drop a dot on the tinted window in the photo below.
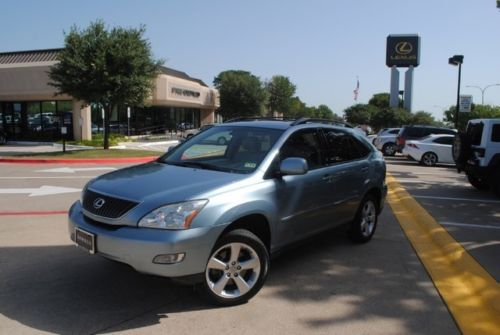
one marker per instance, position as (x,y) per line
(444,140)
(342,146)
(304,144)
(394,131)
(413,132)
(495,133)
(475,132)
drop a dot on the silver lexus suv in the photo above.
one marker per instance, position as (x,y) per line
(212,212)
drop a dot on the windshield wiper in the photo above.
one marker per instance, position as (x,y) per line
(201,165)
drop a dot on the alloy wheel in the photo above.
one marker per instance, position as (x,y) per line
(368,218)
(233,270)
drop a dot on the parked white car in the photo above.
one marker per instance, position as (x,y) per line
(430,150)
(386,141)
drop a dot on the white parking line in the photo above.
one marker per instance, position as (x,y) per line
(429,182)
(457,199)
(468,225)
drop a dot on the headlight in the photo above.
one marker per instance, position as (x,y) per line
(175,216)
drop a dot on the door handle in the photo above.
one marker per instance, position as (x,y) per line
(365,169)
(328,178)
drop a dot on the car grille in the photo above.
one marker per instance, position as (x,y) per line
(110,207)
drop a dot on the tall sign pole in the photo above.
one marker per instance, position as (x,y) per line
(402,51)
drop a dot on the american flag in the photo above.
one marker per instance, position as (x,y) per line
(356,90)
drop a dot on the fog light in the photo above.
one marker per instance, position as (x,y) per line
(169,258)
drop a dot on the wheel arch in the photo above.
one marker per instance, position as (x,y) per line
(377,193)
(256,223)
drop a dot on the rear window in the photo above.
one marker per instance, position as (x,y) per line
(475,132)
(495,133)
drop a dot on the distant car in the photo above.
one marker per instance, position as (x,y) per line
(3,137)
(431,150)
(386,141)
(191,132)
(416,132)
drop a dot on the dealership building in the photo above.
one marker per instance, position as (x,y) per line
(31,109)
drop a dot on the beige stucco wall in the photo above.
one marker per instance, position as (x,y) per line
(29,82)
(22,82)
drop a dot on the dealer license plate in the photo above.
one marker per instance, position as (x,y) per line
(85,240)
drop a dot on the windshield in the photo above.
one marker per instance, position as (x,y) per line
(224,148)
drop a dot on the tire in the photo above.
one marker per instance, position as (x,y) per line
(364,224)
(478,182)
(429,159)
(3,139)
(495,186)
(389,149)
(239,261)
(221,141)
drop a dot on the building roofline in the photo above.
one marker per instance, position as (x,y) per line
(30,51)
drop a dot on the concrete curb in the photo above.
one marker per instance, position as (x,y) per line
(470,292)
(119,160)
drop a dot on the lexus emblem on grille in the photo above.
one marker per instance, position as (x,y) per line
(98,203)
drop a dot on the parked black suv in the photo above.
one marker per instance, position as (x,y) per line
(416,132)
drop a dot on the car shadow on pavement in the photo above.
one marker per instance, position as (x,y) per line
(60,289)
(325,283)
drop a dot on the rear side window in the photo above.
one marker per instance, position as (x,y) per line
(342,147)
(444,140)
(495,133)
(475,132)
(394,131)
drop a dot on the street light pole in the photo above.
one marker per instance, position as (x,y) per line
(457,60)
(482,90)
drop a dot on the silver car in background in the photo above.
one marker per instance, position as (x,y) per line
(212,212)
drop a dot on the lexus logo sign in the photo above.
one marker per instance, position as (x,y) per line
(98,203)
(403,50)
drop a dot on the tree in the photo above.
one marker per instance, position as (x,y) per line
(477,112)
(241,94)
(280,91)
(359,113)
(390,117)
(423,118)
(380,100)
(298,108)
(107,67)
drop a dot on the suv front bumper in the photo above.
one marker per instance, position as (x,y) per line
(138,247)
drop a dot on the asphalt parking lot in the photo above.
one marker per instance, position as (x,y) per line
(326,286)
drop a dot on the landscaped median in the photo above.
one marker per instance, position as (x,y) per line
(84,157)
(470,292)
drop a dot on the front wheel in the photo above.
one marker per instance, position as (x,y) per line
(236,269)
(364,224)
(478,182)
(496,183)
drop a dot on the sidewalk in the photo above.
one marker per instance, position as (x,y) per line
(9,151)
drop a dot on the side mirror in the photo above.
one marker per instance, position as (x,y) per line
(293,166)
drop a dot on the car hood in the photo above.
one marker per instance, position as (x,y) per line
(161,181)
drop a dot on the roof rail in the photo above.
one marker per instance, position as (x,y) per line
(259,118)
(304,120)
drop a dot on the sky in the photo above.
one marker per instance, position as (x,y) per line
(321,45)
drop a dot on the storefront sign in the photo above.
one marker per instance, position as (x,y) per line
(185,92)
(403,50)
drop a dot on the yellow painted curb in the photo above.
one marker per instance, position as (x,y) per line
(471,294)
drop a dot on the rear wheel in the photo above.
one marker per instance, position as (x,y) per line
(364,224)
(478,182)
(236,269)
(389,149)
(429,159)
